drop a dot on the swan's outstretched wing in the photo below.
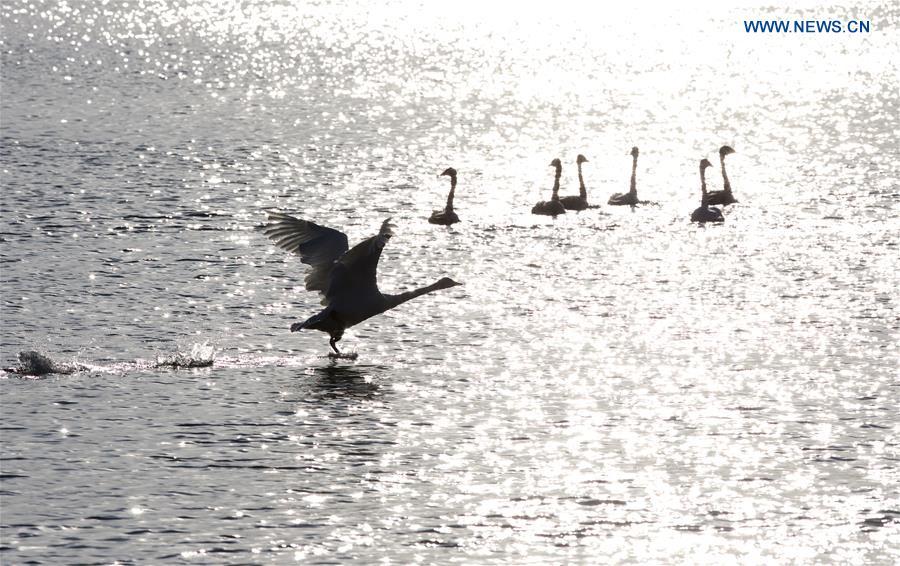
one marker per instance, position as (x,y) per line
(354,275)
(318,246)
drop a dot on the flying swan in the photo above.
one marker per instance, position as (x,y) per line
(346,278)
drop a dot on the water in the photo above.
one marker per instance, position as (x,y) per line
(612,386)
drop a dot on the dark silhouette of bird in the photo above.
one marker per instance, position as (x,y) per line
(579,202)
(551,207)
(705,213)
(723,197)
(629,198)
(346,278)
(447,216)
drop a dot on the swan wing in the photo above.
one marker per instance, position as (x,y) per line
(318,246)
(355,274)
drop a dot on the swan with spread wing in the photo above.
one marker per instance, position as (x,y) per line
(345,277)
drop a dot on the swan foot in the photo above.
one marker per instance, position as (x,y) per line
(296,326)
(337,354)
(343,356)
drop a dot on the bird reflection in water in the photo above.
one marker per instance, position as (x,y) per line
(341,380)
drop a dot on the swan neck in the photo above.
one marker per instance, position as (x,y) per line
(581,189)
(633,188)
(556,183)
(395,300)
(727,184)
(703,186)
(452,192)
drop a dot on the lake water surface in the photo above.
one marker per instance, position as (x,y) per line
(613,386)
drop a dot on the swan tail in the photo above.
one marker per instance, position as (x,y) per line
(310,322)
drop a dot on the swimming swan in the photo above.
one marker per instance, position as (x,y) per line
(446,217)
(629,198)
(579,202)
(551,207)
(704,213)
(723,197)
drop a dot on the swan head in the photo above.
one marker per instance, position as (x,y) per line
(449,171)
(634,151)
(704,163)
(556,163)
(446,283)
(726,150)
(581,159)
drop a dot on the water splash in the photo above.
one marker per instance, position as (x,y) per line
(200,356)
(34,363)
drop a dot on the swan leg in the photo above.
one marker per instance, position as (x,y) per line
(338,355)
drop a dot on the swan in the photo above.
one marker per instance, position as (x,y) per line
(446,217)
(723,197)
(579,202)
(346,278)
(704,213)
(629,198)
(551,207)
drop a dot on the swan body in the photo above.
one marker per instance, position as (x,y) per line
(725,196)
(629,198)
(345,277)
(553,206)
(443,217)
(447,216)
(705,213)
(579,201)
